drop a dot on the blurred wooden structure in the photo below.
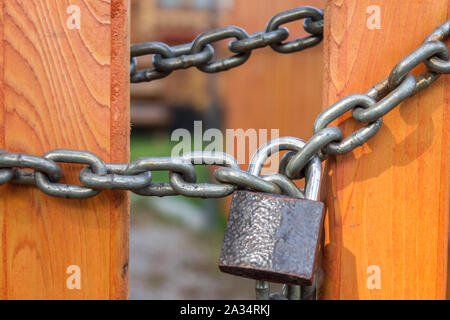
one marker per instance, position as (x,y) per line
(272,90)
(388,201)
(64,88)
(172,22)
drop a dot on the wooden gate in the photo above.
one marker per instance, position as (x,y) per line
(65,85)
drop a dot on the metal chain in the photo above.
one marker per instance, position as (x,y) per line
(136,176)
(368,108)
(200,52)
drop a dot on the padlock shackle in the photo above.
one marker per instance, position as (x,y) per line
(313,170)
(313,175)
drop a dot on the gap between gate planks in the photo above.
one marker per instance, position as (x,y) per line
(286,89)
(388,201)
(64,88)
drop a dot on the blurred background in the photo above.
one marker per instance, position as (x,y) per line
(175,242)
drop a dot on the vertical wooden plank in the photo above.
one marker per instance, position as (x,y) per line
(2,142)
(64,88)
(446,190)
(388,201)
(120,145)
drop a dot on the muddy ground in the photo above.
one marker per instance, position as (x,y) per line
(171,261)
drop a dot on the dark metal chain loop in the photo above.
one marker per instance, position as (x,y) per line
(171,164)
(436,64)
(367,108)
(25,161)
(393,99)
(358,137)
(145,49)
(200,53)
(313,27)
(137,176)
(66,190)
(183,58)
(217,35)
(116,178)
(258,40)
(294,15)
(421,54)
(205,190)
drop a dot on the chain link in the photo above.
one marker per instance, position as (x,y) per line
(205,190)
(137,176)
(309,13)
(66,190)
(367,108)
(200,52)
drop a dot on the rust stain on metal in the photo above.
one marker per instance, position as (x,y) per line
(272,237)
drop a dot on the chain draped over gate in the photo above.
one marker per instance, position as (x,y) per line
(200,52)
(367,108)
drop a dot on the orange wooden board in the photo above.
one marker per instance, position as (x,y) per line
(64,88)
(388,201)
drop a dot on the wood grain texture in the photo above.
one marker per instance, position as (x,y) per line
(63,88)
(388,201)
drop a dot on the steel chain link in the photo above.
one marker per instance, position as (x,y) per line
(367,108)
(200,52)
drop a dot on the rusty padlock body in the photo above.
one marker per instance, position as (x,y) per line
(272,237)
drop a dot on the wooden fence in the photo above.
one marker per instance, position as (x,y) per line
(386,228)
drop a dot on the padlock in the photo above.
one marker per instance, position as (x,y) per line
(273,237)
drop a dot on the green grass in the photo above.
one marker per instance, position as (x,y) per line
(160,145)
